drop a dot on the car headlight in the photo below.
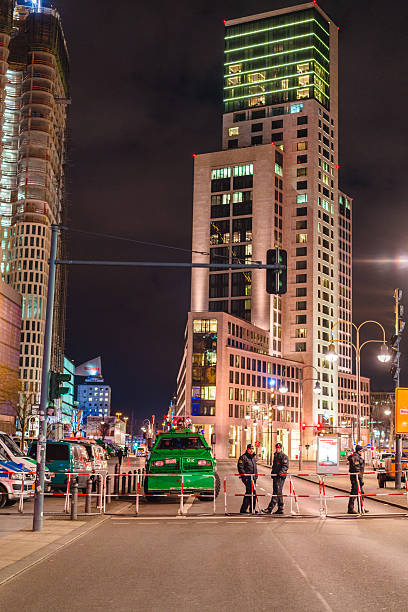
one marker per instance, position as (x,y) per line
(170,461)
(16,476)
(158,463)
(203,462)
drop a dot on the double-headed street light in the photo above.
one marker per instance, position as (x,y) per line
(383,356)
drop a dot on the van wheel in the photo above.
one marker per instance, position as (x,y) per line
(381,480)
(3,496)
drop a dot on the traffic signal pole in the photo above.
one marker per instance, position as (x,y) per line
(41,444)
(45,379)
(399,326)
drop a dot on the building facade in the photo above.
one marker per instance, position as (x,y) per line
(10,325)
(68,400)
(94,398)
(34,78)
(275,184)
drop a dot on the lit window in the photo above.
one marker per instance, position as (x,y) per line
(301,198)
(257,101)
(278,169)
(301,332)
(304,80)
(326,179)
(233,131)
(302,93)
(237,196)
(256,77)
(302,68)
(296,108)
(301,238)
(234,68)
(220,173)
(302,146)
(301,172)
(245,170)
(204,325)
(285,83)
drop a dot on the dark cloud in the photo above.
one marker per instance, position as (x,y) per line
(146,94)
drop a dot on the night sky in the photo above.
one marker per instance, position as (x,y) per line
(146,87)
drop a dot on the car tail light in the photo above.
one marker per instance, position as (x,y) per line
(203,462)
(158,463)
(170,461)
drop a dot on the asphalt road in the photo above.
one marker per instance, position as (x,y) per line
(163,561)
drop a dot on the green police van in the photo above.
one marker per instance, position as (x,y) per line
(187,455)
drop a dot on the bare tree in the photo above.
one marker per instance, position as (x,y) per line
(15,399)
(104,429)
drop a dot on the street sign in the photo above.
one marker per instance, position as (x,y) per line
(257,443)
(368,446)
(328,455)
(401,411)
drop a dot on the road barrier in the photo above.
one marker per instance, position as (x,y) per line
(19,487)
(322,496)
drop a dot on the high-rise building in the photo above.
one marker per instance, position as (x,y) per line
(275,184)
(33,100)
(10,325)
(94,398)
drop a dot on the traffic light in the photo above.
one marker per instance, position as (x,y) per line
(319,428)
(270,414)
(394,342)
(55,389)
(276,279)
(303,426)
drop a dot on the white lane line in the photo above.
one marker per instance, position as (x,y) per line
(325,604)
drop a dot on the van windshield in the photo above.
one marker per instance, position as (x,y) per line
(54,452)
(180,443)
(11,445)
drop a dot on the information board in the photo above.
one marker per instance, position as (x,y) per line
(401,411)
(328,455)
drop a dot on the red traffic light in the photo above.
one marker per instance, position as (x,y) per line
(303,426)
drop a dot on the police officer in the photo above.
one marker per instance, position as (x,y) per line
(280,468)
(356,467)
(247,465)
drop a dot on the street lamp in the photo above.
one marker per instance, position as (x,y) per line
(316,389)
(283,388)
(280,407)
(383,357)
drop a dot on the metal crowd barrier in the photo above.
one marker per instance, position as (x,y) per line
(322,495)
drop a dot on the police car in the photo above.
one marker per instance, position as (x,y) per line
(13,477)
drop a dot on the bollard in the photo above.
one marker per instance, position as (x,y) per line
(74,501)
(99,491)
(108,488)
(129,483)
(88,498)
(124,484)
(116,481)
(134,480)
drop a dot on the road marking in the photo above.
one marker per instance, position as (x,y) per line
(304,576)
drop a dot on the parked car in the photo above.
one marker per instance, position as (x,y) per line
(12,476)
(63,457)
(379,460)
(96,456)
(388,472)
(15,454)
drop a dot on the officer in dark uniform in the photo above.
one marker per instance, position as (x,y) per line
(247,465)
(280,468)
(356,467)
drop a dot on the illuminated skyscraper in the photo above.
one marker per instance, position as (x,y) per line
(275,183)
(34,74)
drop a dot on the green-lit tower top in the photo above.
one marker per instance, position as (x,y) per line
(277,57)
